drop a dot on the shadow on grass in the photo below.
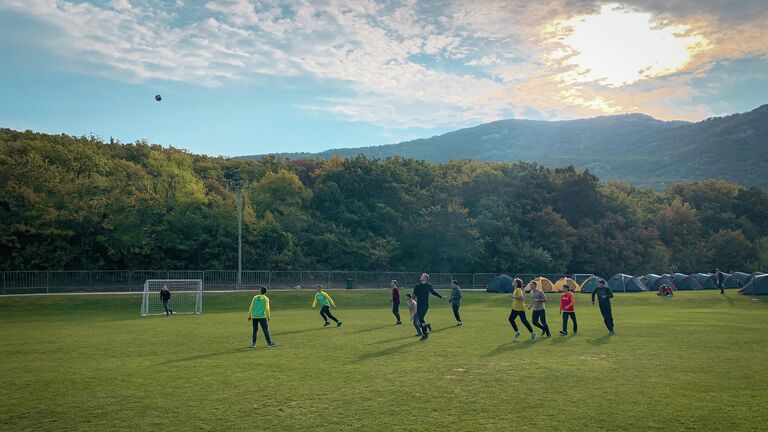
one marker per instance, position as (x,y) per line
(510,346)
(602,340)
(383,353)
(370,329)
(209,355)
(731,300)
(393,340)
(295,331)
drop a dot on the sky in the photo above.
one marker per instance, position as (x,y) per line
(241,77)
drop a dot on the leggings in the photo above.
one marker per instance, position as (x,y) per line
(540,321)
(325,312)
(264,328)
(565,321)
(456,312)
(396,311)
(514,314)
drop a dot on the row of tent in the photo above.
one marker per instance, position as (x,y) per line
(755,283)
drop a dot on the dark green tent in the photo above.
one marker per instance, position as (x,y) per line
(707,280)
(501,284)
(625,283)
(731,281)
(590,284)
(742,277)
(757,286)
(686,283)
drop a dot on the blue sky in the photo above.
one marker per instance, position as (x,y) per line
(249,77)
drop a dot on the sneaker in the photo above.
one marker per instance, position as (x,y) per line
(272,345)
(429,327)
(459,324)
(424,337)
(326,324)
(517,335)
(338,324)
(398,323)
(253,345)
(533,337)
(564,333)
(611,333)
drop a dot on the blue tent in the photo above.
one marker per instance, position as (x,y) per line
(501,284)
(757,286)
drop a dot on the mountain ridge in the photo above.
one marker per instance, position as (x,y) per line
(632,147)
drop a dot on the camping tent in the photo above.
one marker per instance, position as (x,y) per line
(658,282)
(543,283)
(590,284)
(707,280)
(625,283)
(742,277)
(650,279)
(686,283)
(563,282)
(501,284)
(731,281)
(757,286)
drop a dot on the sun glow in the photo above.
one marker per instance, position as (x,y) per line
(618,47)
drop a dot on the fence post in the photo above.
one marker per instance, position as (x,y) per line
(269,279)
(90,280)
(2,276)
(48,281)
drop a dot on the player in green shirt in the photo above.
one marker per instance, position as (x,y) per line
(326,302)
(258,314)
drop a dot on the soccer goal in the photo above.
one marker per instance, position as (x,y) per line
(186,296)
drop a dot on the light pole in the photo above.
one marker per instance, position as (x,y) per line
(238,186)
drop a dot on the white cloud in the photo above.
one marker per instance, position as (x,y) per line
(499,57)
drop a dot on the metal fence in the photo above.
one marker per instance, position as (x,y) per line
(42,282)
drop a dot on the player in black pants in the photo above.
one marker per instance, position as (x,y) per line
(422,292)
(604,296)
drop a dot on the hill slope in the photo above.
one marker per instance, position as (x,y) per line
(631,147)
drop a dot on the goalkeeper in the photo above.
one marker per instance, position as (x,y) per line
(258,314)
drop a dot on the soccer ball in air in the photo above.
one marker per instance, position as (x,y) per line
(158,98)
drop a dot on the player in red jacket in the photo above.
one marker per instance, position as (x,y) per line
(567,302)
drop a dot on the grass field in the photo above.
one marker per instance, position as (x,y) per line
(693,362)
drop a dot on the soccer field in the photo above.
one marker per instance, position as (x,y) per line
(692,362)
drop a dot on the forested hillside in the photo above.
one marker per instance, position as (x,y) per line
(632,147)
(80,203)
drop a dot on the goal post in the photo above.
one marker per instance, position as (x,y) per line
(186,296)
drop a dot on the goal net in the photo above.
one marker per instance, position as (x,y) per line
(186,297)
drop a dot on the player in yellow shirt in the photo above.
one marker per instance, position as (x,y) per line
(326,302)
(258,314)
(518,310)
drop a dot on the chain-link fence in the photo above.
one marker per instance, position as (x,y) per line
(43,282)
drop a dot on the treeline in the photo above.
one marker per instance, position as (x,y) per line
(80,203)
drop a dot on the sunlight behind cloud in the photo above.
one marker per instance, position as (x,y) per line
(618,47)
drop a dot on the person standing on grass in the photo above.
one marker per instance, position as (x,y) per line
(422,291)
(412,308)
(326,302)
(395,300)
(719,279)
(538,299)
(165,296)
(455,301)
(258,314)
(518,310)
(567,303)
(604,296)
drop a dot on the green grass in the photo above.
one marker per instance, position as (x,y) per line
(693,362)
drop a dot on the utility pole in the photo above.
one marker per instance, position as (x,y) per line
(238,186)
